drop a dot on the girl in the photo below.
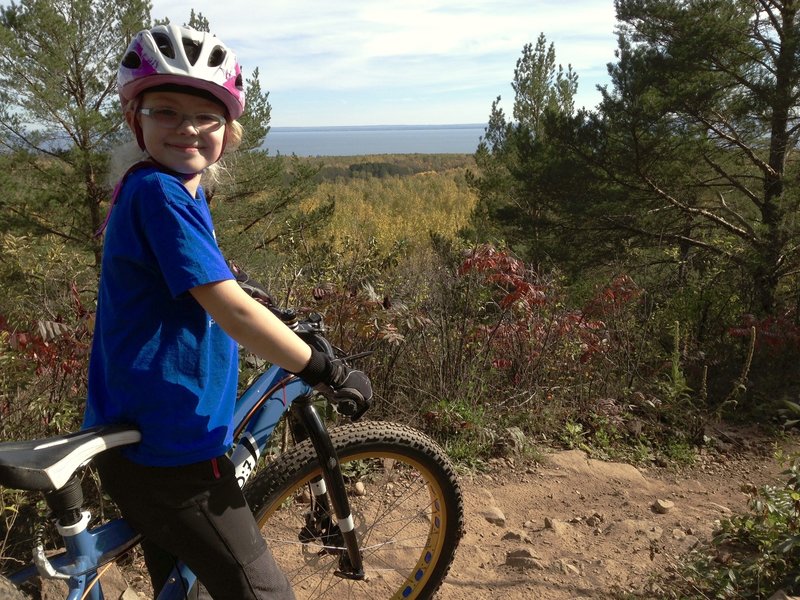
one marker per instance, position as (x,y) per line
(169,316)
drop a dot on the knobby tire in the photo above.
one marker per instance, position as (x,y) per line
(408,512)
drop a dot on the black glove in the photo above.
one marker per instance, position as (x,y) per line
(352,390)
(251,286)
(348,389)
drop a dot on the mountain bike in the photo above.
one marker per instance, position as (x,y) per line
(366,510)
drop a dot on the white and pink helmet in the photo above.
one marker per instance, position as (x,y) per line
(168,54)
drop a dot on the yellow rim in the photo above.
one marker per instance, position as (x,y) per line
(426,563)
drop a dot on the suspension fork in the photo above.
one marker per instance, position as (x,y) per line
(312,427)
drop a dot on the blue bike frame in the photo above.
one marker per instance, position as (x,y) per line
(258,411)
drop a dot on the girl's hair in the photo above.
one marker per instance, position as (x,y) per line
(127,155)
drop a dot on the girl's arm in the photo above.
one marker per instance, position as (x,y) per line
(261,332)
(252,325)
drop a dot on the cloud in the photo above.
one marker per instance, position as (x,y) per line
(377,59)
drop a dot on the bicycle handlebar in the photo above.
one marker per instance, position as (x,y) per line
(311,330)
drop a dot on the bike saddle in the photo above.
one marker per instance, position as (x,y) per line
(46,465)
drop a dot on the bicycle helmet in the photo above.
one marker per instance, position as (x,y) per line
(172,55)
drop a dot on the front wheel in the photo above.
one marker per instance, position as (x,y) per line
(405,500)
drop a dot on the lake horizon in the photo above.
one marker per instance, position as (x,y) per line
(359,140)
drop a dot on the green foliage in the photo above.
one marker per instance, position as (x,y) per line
(573,436)
(529,185)
(257,114)
(791,412)
(335,168)
(684,179)
(391,209)
(697,128)
(58,64)
(198,21)
(45,331)
(258,208)
(752,555)
(540,88)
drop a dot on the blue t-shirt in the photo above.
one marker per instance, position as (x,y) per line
(159,362)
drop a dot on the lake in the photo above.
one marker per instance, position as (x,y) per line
(374,139)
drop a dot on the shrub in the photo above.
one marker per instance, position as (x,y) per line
(752,555)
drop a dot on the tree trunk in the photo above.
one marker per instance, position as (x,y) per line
(94,195)
(767,273)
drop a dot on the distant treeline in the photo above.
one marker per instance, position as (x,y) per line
(332,168)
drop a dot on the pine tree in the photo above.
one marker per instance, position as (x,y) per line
(699,127)
(522,173)
(58,107)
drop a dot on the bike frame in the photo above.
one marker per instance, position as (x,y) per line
(258,411)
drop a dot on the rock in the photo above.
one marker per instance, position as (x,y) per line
(53,589)
(359,489)
(575,520)
(570,569)
(523,559)
(494,515)
(690,543)
(719,507)
(512,440)
(595,520)
(781,595)
(663,506)
(555,525)
(749,489)
(114,586)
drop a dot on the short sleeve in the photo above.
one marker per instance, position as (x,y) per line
(180,233)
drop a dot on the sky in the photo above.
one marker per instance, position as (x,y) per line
(401,62)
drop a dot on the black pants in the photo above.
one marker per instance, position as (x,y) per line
(198,514)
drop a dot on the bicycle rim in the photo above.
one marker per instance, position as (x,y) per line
(408,517)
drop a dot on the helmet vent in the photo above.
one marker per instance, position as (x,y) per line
(239,84)
(216,57)
(192,49)
(164,45)
(132,61)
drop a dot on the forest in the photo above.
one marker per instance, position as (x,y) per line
(616,279)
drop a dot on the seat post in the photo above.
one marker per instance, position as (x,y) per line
(66,502)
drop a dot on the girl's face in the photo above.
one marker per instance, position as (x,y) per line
(187,147)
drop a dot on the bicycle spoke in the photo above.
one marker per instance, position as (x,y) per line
(408,519)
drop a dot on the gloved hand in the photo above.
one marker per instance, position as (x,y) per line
(251,286)
(352,390)
(348,389)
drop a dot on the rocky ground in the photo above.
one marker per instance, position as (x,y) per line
(573,527)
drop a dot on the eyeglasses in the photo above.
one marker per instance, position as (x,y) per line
(172,119)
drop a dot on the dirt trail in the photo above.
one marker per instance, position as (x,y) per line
(580,528)
(572,527)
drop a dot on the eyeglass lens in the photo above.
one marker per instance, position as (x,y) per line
(167,117)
